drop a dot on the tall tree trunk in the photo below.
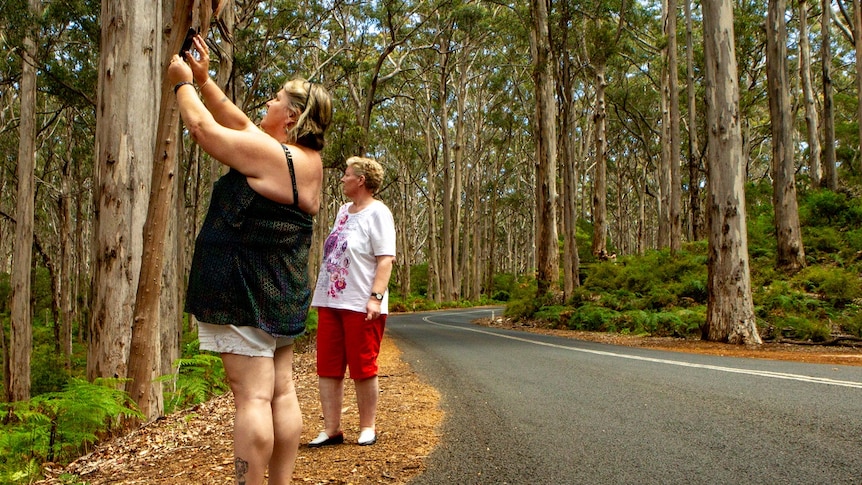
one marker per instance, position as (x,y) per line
(21,334)
(566,152)
(173,287)
(791,255)
(663,167)
(675,196)
(126,127)
(730,310)
(67,277)
(546,152)
(447,250)
(435,284)
(830,173)
(407,210)
(477,216)
(812,120)
(600,183)
(640,190)
(81,287)
(696,225)
(459,239)
(857,23)
(146,350)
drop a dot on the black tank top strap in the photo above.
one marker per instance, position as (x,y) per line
(289,158)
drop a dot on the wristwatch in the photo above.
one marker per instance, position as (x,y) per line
(379,296)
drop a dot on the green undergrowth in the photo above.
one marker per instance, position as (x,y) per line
(664,294)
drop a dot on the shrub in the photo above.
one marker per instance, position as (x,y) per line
(852,322)
(804,329)
(520,309)
(619,300)
(836,285)
(695,289)
(822,239)
(197,379)
(555,315)
(591,317)
(780,298)
(57,426)
(661,297)
(822,207)
(629,321)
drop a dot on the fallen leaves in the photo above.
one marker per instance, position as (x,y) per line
(195,446)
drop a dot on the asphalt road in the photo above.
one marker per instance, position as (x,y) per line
(523,408)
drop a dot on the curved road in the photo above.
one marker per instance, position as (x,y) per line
(523,408)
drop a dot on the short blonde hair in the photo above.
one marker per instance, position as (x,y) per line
(314,105)
(370,168)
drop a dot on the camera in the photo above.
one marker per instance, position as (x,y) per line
(187,44)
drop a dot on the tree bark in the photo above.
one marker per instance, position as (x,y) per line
(21,330)
(730,310)
(830,173)
(126,127)
(675,196)
(696,224)
(546,153)
(812,119)
(447,249)
(144,358)
(791,255)
(566,153)
(435,283)
(67,277)
(600,184)
(857,23)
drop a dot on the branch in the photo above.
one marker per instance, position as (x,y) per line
(834,341)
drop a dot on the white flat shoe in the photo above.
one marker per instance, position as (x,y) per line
(324,439)
(367,437)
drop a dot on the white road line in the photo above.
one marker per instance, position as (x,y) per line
(761,373)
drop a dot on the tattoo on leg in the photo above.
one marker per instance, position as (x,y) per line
(241,467)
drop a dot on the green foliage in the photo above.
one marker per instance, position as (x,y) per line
(591,317)
(851,321)
(5,293)
(837,286)
(655,280)
(804,328)
(57,426)
(779,298)
(660,293)
(197,379)
(555,315)
(419,279)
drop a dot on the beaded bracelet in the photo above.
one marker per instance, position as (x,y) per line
(180,84)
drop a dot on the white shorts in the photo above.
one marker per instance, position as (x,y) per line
(231,339)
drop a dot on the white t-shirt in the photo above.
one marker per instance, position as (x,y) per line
(350,258)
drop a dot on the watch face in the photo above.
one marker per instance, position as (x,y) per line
(379,296)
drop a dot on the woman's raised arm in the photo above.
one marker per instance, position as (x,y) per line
(225,112)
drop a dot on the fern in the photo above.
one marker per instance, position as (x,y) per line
(198,378)
(56,426)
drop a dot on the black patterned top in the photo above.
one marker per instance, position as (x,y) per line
(250,264)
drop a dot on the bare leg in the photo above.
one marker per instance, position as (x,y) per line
(251,380)
(286,419)
(367,391)
(331,400)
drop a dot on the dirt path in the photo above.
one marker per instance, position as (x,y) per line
(195,446)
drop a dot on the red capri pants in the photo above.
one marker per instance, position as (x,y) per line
(345,339)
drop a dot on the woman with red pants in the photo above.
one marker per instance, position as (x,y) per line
(351,298)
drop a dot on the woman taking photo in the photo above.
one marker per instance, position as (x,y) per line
(248,284)
(352,300)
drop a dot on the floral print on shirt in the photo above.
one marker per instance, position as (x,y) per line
(335,260)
